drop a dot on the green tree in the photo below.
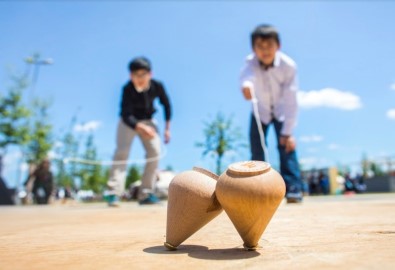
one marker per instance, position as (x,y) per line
(376,169)
(365,165)
(220,137)
(134,174)
(14,114)
(40,130)
(68,148)
(91,173)
(22,125)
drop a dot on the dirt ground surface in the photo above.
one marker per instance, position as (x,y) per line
(333,232)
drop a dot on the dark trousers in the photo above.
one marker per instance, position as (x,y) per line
(289,165)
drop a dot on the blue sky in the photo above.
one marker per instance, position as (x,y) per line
(344,51)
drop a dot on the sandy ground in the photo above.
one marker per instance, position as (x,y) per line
(342,232)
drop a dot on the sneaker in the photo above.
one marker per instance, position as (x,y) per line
(294,200)
(294,197)
(113,200)
(150,199)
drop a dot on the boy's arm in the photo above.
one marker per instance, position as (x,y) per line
(28,179)
(164,100)
(247,81)
(290,111)
(167,132)
(127,111)
(289,97)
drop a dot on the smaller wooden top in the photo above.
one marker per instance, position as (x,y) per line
(248,168)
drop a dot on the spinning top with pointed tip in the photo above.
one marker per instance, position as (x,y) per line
(250,193)
(191,205)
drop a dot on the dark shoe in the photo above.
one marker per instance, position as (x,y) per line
(294,200)
(294,197)
(151,199)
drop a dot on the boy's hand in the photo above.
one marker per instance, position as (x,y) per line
(247,93)
(289,143)
(146,131)
(167,136)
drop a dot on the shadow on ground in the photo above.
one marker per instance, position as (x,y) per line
(204,253)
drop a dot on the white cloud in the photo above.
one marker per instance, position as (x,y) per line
(52,155)
(310,162)
(24,167)
(12,158)
(391,114)
(329,97)
(14,169)
(88,126)
(392,86)
(58,144)
(311,150)
(311,138)
(333,146)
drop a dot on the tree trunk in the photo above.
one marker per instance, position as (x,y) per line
(219,165)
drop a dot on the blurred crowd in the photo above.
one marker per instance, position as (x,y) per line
(317,182)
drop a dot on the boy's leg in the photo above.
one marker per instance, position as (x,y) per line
(152,149)
(257,152)
(117,178)
(289,168)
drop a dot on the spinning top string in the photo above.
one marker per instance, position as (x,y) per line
(254,102)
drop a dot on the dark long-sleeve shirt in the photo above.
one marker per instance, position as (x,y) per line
(136,106)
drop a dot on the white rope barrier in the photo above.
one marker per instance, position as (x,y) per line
(114,162)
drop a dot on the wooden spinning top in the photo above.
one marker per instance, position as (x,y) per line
(192,203)
(250,193)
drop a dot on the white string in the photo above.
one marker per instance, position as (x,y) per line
(254,102)
(115,162)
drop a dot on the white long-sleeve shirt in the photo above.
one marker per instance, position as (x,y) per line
(275,89)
